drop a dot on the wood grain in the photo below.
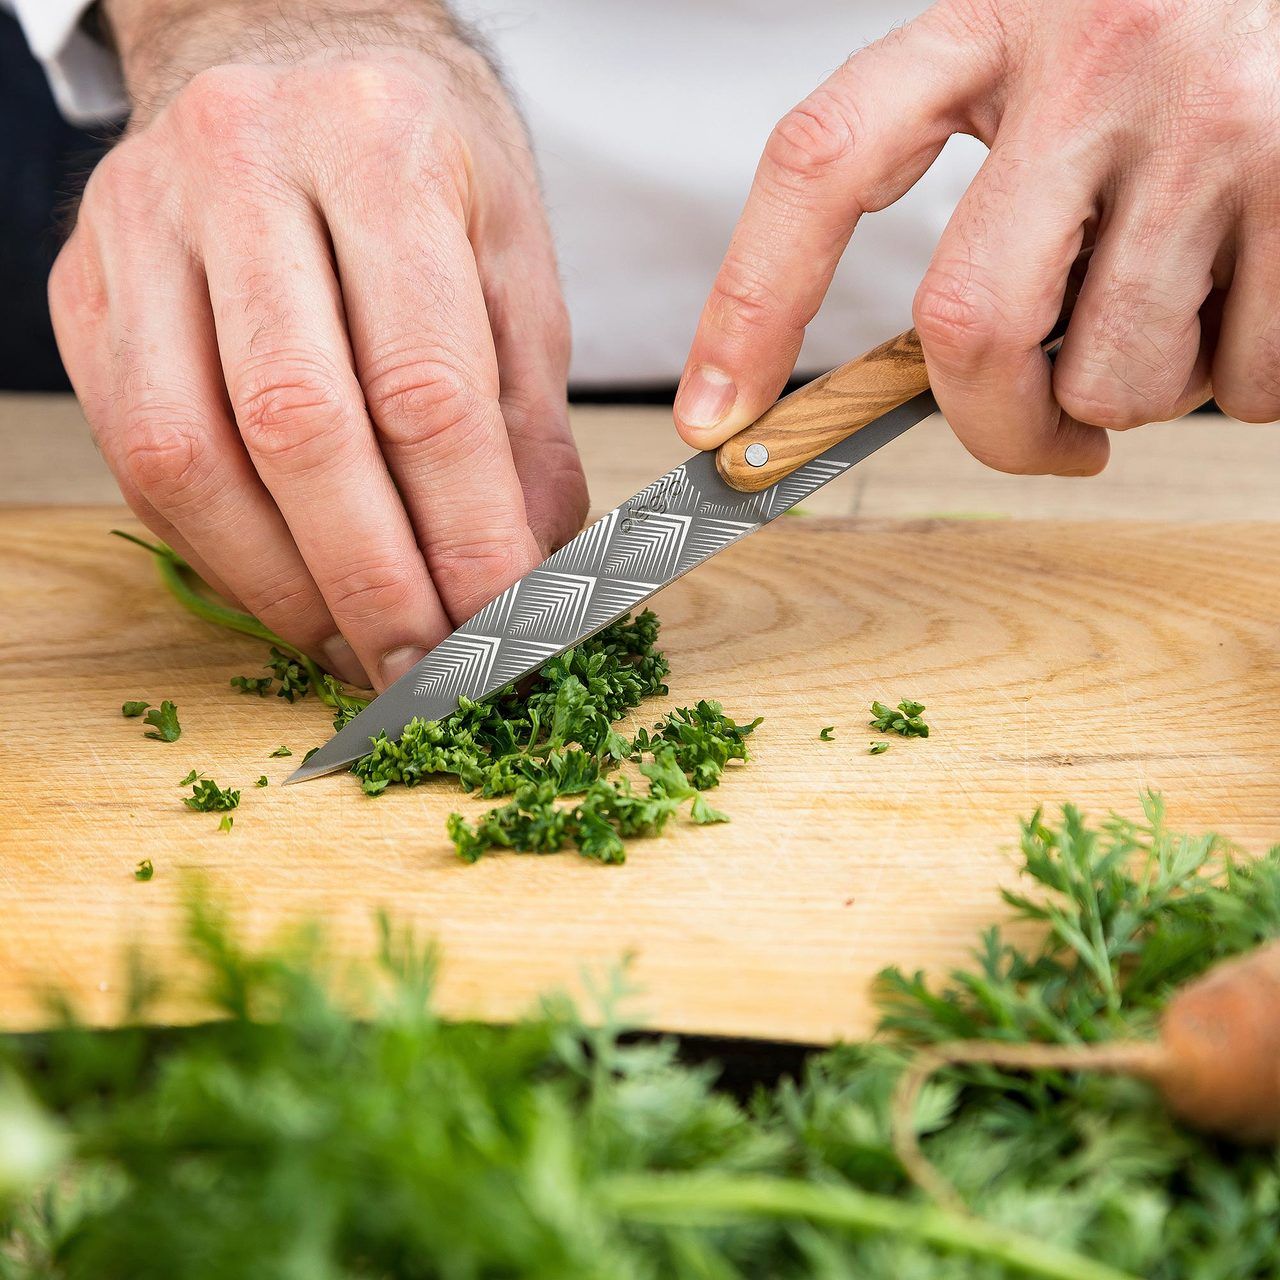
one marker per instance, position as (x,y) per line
(1059,661)
(825,411)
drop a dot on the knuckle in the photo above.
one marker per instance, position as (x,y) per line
(417,402)
(120,183)
(290,605)
(1247,404)
(369,592)
(743,303)
(390,130)
(291,418)
(1126,27)
(472,569)
(1219,110)
(76,284)
(165,454)
(1133,363)
(375,93)
(960,321)
(812,138)
(220,101)
(132,192)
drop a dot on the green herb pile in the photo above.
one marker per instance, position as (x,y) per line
(290,1139)
(557,738)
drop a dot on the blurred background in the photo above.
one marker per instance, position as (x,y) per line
(43,162)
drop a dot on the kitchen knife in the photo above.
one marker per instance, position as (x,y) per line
(671,526)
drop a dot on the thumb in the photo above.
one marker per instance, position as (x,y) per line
(859,142)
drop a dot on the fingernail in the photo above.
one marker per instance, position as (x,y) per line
(398,661)
(341,659)
(705,398)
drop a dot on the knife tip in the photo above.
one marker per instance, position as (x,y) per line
(314,769)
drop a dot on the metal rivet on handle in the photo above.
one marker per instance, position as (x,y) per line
(756,455)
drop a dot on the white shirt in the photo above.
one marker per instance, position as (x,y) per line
(648,120)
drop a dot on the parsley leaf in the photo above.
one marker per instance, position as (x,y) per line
(906,719)
(828,734)
(878,748)
(227,822)
(261,685)
(262,781)
(293,677)
(132,709)
(190,778)
(207,797)
(164,723)
(282,750)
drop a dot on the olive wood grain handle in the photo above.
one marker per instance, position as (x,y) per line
(822,413)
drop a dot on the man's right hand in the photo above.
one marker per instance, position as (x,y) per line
(311,310)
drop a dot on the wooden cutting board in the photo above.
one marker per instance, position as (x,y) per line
(1059,661)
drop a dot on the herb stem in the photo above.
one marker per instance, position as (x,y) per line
(693,1200)
(180,578)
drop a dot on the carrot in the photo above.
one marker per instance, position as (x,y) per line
(1216,1062)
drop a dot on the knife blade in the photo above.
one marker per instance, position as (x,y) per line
(670,527)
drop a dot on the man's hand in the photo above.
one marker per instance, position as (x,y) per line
(310,307)
(1147,128)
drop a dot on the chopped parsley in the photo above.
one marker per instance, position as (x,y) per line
(878,748)
(905,719)
(262,781)
(828,734)
(207,797)
(227,822)
(190,778)
(261,685)
(291,675)
(282,750)
(132,709)
(561,740)
(144,870)
(164,723)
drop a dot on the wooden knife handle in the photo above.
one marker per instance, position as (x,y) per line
(822,413)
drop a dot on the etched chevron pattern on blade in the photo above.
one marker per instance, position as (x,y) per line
(456,666)
(648,549)
(611,599)
(614,565)
(585,553)
(549,604)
